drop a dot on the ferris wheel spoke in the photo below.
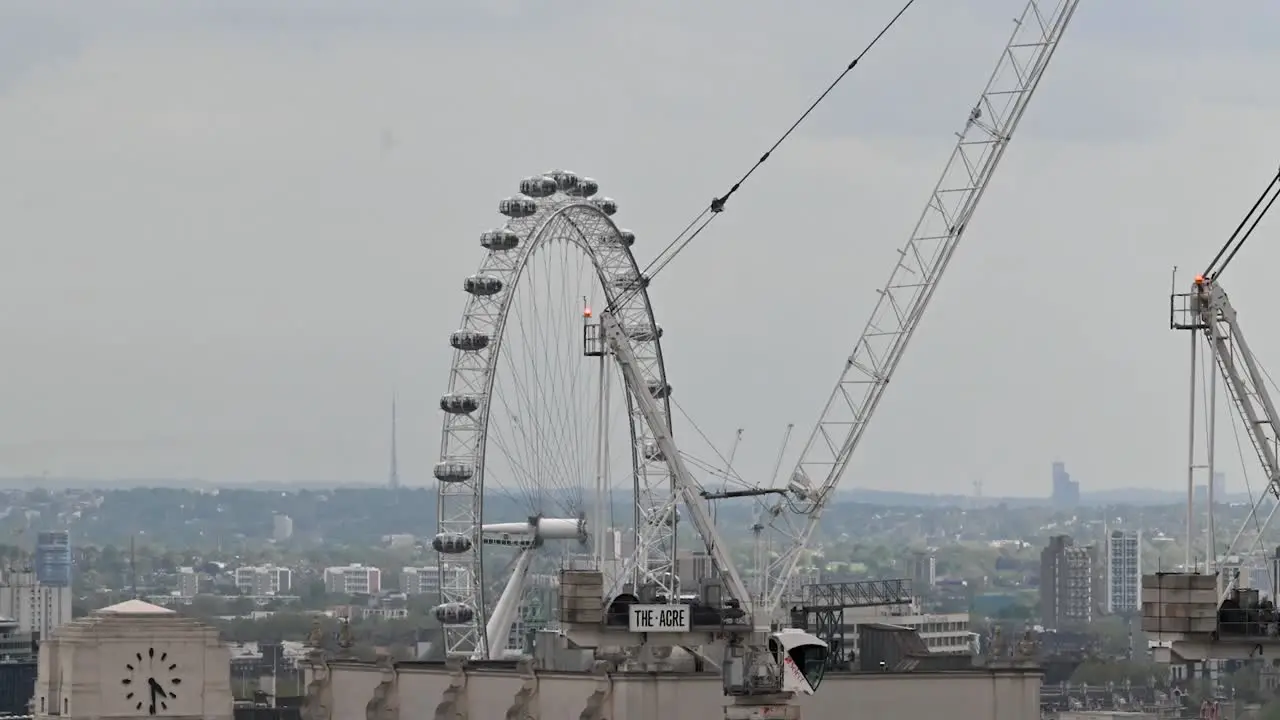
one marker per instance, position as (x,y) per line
(547,405)
(516,467)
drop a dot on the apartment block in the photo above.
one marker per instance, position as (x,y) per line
(420,580)
(264,580)
(1124,571)
(354,579)
(1066,583)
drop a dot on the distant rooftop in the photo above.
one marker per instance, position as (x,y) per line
(134,607)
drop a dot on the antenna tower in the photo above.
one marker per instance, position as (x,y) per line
(133,568)
(393,479)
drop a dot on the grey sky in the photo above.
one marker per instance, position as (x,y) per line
(212,269)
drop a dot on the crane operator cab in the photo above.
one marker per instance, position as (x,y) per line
(801,659)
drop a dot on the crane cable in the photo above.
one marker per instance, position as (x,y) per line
(1242,233)
(717,205)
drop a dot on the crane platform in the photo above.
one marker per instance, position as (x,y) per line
(1189,621)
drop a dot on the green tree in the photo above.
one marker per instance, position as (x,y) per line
(207,606)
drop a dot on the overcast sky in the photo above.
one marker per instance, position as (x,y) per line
(229,229)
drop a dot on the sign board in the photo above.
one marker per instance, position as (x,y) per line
(660,618)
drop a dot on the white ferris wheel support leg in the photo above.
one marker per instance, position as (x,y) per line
(498,629)
(686,486)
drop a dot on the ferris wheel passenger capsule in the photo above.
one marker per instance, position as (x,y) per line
(451,543)
(468,340)
(659,390)
(499,240)
(585,188)
(517,207)
(608,206)
(626,238)
(452,471)
(459,403)
(482,285)
(538,186)
(454,614)
(566,180)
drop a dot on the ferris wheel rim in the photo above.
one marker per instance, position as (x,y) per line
(591,229)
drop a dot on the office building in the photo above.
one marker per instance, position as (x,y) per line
(188,582)
(924,571)
(1065,492)
(354,579)
(35,607)
(693,568)
(1124,571)
(53,558)
(264,580)
(1066,584)
(943,633)
(420,580)
(1220,487)
(17,669)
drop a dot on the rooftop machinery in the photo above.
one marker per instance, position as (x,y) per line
(763,668)
(1210,615)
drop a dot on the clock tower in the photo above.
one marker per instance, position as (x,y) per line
(134,660)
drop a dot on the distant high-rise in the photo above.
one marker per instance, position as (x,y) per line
(1066,492)
(393,479)
(1219,487)
(36,607)
(1066,583)
(1124,571)
(53,558)
(188,582)
(281,527)
(924,571)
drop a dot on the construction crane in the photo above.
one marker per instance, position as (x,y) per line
(1207,312)
(764,669)
(1200,616)
(914,279)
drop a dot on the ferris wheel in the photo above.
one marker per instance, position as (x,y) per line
(536,450)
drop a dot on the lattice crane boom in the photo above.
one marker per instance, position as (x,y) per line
(920,266)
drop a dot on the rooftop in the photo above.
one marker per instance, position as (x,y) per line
(134,607)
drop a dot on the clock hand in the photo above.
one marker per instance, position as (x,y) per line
(154,687)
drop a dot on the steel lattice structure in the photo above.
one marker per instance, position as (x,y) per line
(555,207)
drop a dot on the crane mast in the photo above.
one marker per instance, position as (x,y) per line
(1211,312)
(1207,312)
(921,263)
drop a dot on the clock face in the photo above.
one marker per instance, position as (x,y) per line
(151,681)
